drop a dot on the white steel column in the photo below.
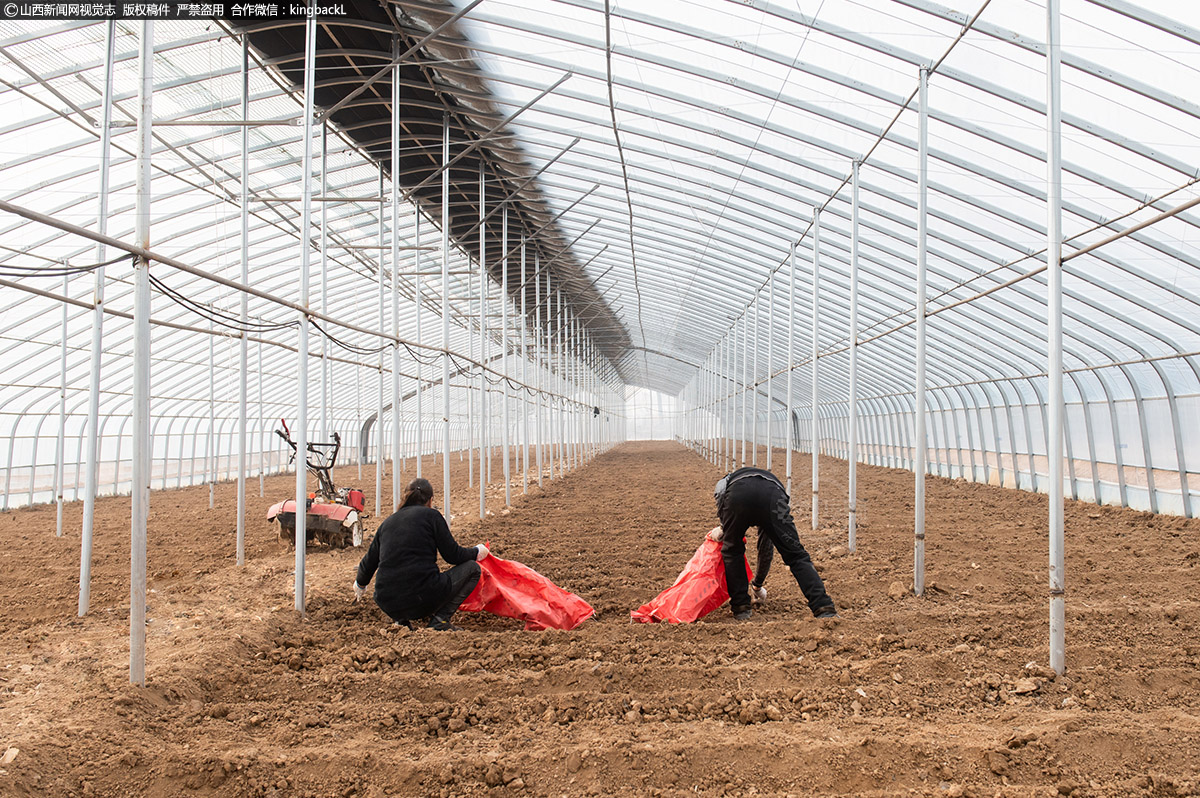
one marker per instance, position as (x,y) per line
(562,386)
(504,353)
(770,361)
(1054,345)
(730,406)
(472,338)
(262,431)
(922,451)
(446,316)
(537,352)
(140,486)
(852,458)
(91,464)
(210,449)
(816,397)
(62,418)
(379,446)
(754,384)
(525,381)
(483,414)
(243,343)
(550,401)
(419,437)
(744,397)
(397,428)
(310,57)
(324,279)
(791,436)
(574,341)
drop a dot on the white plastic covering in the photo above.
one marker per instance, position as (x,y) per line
(713,130)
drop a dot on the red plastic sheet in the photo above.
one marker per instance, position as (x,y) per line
(513,590)
(699,590)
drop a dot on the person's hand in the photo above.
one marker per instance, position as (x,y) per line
(716,534)
(482,552)
(359,590)
(758,596)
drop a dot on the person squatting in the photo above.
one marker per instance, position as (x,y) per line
(403,559)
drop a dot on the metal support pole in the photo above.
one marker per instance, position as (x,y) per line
(744,397)
(262,432)
(210,450)
(59,444)
(580,391)
(1054,309)
(446,317)
(730,387)
(504,437)
(572,341)
(550,401)
(562,388)
(524,380)
(922,451)
(324,281)
(537,351)
(140,486)
(770,362)
(482,344)
(852,459)
(397,428)
(791,347)
(310,57)
(91,466)
(379,448)
(753,384)
(816,397)
(243,343)
(417,361)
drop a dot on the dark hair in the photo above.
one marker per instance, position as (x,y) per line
(419,491)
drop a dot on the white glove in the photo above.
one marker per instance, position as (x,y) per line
(482,552)
(716,534)
(359,590)
(758,595)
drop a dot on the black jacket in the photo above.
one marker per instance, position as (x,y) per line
(742,473)
(403,558)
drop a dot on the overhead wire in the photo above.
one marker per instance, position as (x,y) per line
(10,270)
(612,109)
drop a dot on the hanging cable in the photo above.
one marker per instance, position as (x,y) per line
(9,270)
(214,315)
(612,109)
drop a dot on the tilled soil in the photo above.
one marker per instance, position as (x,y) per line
(948,694)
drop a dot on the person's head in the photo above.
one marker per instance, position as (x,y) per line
(419,491)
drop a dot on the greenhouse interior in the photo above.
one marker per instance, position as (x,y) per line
(500,244)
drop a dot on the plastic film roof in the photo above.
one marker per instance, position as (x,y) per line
(712,130)
(727,123)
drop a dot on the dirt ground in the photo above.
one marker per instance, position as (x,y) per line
(943,695)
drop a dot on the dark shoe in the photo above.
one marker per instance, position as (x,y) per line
(744,614)
(828,611)
(439,625)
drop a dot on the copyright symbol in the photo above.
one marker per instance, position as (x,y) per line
(10,9)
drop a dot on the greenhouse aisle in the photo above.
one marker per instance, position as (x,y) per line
(945,694)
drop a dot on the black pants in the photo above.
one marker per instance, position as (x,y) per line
(463,579)
(754,501)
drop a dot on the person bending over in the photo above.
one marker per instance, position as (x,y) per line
(403,558)
(754,497)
